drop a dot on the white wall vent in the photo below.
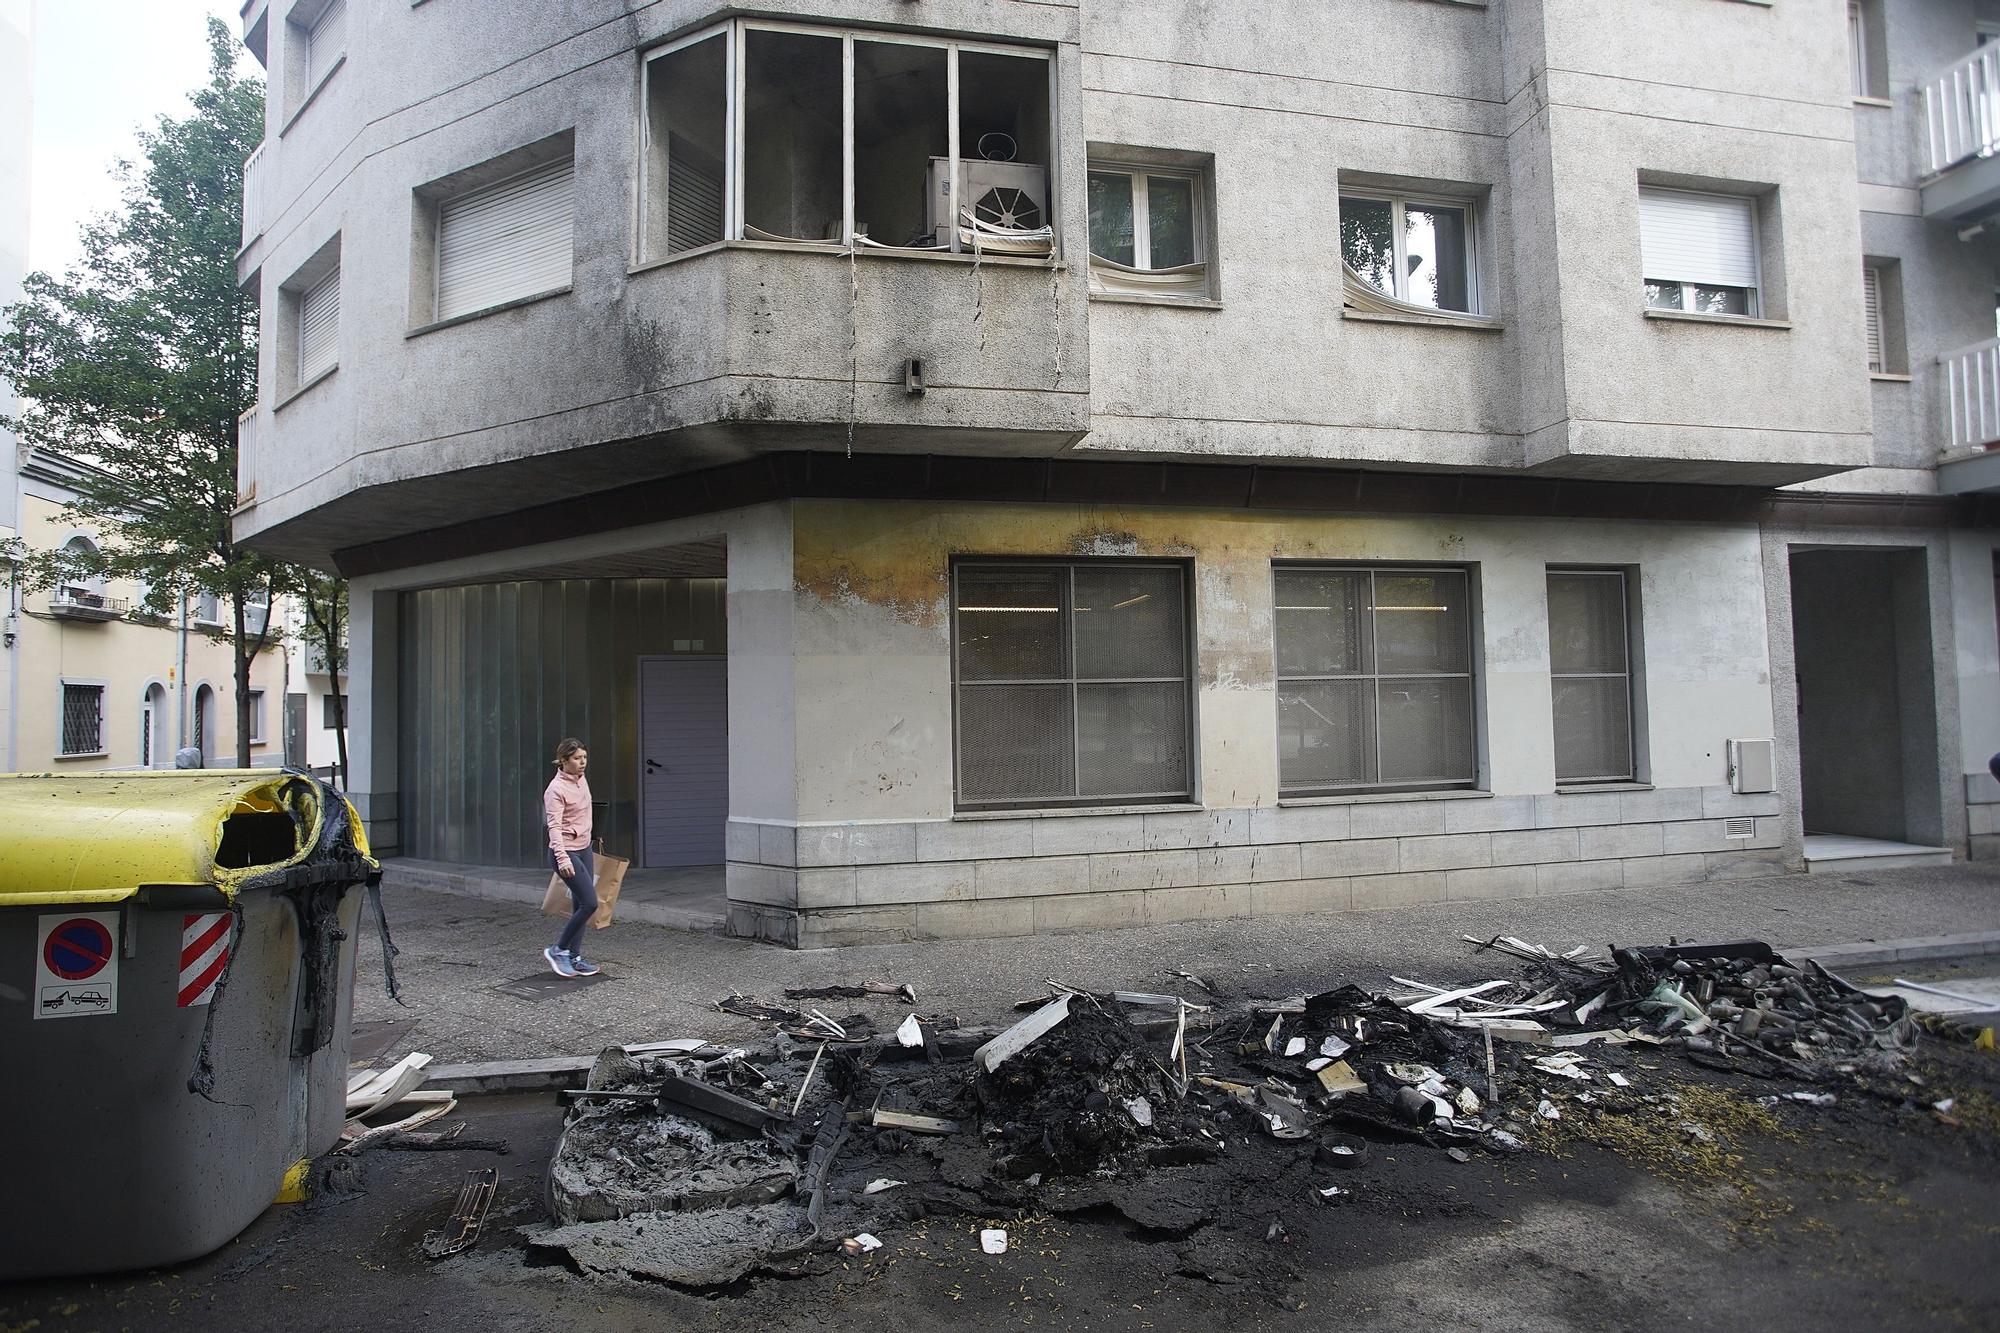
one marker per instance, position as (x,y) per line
(1741,826)
(1752,767)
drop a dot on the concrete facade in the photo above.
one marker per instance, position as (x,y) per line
(752,401)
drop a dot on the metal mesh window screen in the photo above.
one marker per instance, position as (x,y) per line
(1590,675)
(82,719)
(1072,682)
(1374,678)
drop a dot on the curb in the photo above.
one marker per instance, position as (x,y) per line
(1870,952)
(475,886)
(488,1076)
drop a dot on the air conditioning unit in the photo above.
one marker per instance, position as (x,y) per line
(1001,194)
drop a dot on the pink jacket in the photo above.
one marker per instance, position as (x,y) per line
(566,813)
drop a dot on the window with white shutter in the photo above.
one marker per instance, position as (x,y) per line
(1698,252)
(326,42)
(507,240)
(319,328)
(1871,300)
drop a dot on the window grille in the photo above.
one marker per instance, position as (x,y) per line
(82,719)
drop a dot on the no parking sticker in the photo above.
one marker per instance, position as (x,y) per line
(76,965)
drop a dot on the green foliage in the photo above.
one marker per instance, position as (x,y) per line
(141,358)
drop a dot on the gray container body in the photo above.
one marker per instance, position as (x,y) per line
(112,1162)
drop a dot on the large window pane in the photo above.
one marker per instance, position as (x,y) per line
(1010,623)
(1593,735)
(791,135)
(1003,116)
(1368,241)
(1420,622)
(1128,622)
(901,122)
(1426,728)
(1326,733)
(1434,240)
(1073,682)
(1131,740)
(1591,678)
(1374,678)
(1323,623)
(1111,217)
(1016,743)
(1586,622)
(1170,220)
(685,109)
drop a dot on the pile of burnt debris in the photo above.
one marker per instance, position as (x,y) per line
(696,1163)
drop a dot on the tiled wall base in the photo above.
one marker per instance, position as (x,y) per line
(812,886)
(1982,817)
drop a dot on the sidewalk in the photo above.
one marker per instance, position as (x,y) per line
(663,983)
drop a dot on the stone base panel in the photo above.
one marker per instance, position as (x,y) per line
(815,885)
(1982,817)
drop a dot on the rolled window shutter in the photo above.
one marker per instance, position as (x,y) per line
(1871,297)
(326,42)
(319,327)
(511,239)
(1702,238)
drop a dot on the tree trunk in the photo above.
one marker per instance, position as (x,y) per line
(241,656)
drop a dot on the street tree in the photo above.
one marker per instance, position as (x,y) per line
(323,599)
(141,358)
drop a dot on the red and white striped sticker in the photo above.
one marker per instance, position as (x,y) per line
(204,952)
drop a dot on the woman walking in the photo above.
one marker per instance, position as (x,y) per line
(566,816)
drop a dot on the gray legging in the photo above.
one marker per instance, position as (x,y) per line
(582,881)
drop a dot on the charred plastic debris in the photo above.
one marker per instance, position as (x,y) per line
(1209,1122)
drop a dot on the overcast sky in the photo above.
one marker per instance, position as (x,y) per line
(103,69)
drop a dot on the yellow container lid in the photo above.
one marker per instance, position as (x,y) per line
(73,838)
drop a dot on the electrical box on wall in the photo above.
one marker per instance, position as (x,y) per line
(1752,767)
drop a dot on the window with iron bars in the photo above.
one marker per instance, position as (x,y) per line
(82,719)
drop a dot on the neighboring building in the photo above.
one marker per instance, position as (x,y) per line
(17,100)
(1004,467)
(103,683)
(312,709)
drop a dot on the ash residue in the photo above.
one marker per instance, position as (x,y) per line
(616,1161)
(1065,1104)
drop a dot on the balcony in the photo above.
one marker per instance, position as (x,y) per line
(254,171)
(1972,412)
(72,603)
(1961,108)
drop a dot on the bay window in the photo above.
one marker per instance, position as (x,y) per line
(777,132)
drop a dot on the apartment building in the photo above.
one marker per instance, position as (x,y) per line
(990,468)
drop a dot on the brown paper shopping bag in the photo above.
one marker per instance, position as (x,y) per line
(556,901)
(610,878)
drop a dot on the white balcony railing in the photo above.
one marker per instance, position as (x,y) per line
(246,456)
(253,192)
(1972,394)
(1962,109)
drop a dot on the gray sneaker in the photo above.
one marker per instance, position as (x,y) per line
(582,966)
(560,961)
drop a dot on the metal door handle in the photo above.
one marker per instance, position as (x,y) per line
(653,767)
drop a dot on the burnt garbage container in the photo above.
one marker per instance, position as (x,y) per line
(176,990)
